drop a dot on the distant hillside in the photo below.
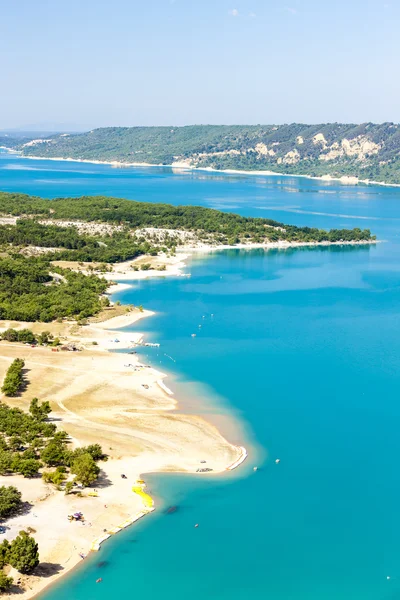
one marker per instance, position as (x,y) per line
(366,151)
(8,141)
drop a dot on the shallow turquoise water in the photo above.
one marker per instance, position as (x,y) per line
(304,346)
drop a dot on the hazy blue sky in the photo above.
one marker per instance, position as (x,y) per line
(152,62)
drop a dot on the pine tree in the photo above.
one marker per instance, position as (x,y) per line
(23,554)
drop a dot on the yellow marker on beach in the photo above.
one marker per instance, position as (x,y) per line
(147,500)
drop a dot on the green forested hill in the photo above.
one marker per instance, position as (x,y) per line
(367,151)
(224,227)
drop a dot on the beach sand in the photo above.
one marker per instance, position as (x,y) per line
(118,402)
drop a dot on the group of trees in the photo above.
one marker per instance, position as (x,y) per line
(66,243)
(28,441)
(14,378)
(22,553)
(28,291)
(82,462)
(22,437)
(27,336)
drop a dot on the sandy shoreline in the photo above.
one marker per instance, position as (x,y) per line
(140,430)
(345,179)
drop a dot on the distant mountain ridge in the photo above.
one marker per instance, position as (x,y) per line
(367,151)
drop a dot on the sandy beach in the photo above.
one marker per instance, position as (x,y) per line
(119,402)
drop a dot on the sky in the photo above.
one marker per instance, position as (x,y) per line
(81,64)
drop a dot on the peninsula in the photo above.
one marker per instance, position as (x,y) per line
(78,425)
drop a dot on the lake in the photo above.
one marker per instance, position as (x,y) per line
(303,350)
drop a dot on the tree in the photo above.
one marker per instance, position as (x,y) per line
(24,553)
(54,453)
(5,582)
(45,337)
(11,335)
(10,500)
(85,469)
(96,451)
(29,467)
(39,411)
(5,462)
(4,550)
(68,487)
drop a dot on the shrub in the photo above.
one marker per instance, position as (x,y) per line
(28,467)
(10,500)
(4,550)
(23,554)
(5,582)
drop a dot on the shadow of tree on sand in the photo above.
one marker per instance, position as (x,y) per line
(47,569)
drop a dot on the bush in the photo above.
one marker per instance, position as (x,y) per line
(68,487)
(5,462)
(28,467)
(5,582)
(56,477)
(23,554)
(10,500)
(96,452)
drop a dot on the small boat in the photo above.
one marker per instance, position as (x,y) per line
(255,468)
(278,460)
(99,580)
(196,525)
(193,335)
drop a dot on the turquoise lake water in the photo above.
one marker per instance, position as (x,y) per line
(304,349)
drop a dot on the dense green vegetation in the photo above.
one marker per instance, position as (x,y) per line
(237,147)
(14,378)
(66,243)
(28,291)
(134,215)
(23,553)
(29,441)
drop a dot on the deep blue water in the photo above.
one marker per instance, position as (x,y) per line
(303,347)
